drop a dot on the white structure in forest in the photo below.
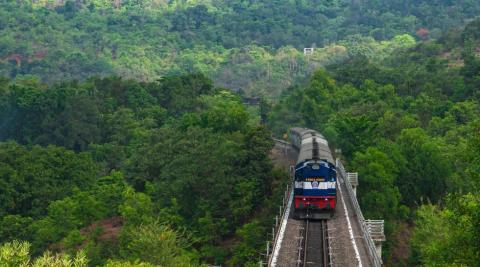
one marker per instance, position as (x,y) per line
(308,51)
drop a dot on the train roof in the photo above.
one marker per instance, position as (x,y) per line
(305,131)
(313,145)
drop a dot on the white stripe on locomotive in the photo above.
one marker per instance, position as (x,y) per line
(321,185)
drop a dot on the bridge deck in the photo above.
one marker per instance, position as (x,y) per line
(345,252)
(342,231)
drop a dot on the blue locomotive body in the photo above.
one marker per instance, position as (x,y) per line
(315,175)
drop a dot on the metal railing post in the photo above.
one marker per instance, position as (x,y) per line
(377,260)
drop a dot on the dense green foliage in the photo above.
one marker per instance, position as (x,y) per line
(163,168)
(126,167)
(409,125)
(33,178)
(448,237)
(14,254)
(254,46)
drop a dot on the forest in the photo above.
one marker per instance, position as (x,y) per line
(125,140)
(163,172)
(410,126)
(250,46)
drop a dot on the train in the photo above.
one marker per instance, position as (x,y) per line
(315,178)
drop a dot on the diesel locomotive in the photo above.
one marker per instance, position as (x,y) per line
(315,190)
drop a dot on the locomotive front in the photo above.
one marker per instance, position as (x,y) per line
(315,175)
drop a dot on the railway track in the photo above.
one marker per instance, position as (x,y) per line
(313,249)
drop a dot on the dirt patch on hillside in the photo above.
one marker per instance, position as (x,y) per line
(108,228)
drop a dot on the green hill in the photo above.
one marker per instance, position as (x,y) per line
(119,143)
(410,126)
(242,45)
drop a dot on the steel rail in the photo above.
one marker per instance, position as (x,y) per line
(301,246)
(314,245)
(305,243)
(326,254)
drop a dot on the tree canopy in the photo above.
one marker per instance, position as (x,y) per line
(122,168)
(408,124)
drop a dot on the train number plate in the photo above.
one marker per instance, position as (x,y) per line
(315,179)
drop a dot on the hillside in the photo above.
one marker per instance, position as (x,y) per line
(410,126)
(160,172)
(125,140)
(251,46)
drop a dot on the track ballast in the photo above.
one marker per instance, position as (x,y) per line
(313,249)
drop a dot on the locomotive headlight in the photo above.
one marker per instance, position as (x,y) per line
(304,199)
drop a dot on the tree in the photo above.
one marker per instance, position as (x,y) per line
(448,236)
(15,253)
(116,263)
(157,244)
(15,227)
(378,195)
(137,208)
(353,132)
(473,169)
(65,216)
(32,178)
(75,127)
(252,235)
(224,112)
(426,171)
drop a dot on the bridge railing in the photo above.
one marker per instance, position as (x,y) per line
(278,220)
(376,259)
(271,243)
(376,229)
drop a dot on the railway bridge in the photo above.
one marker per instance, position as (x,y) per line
(347,239)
